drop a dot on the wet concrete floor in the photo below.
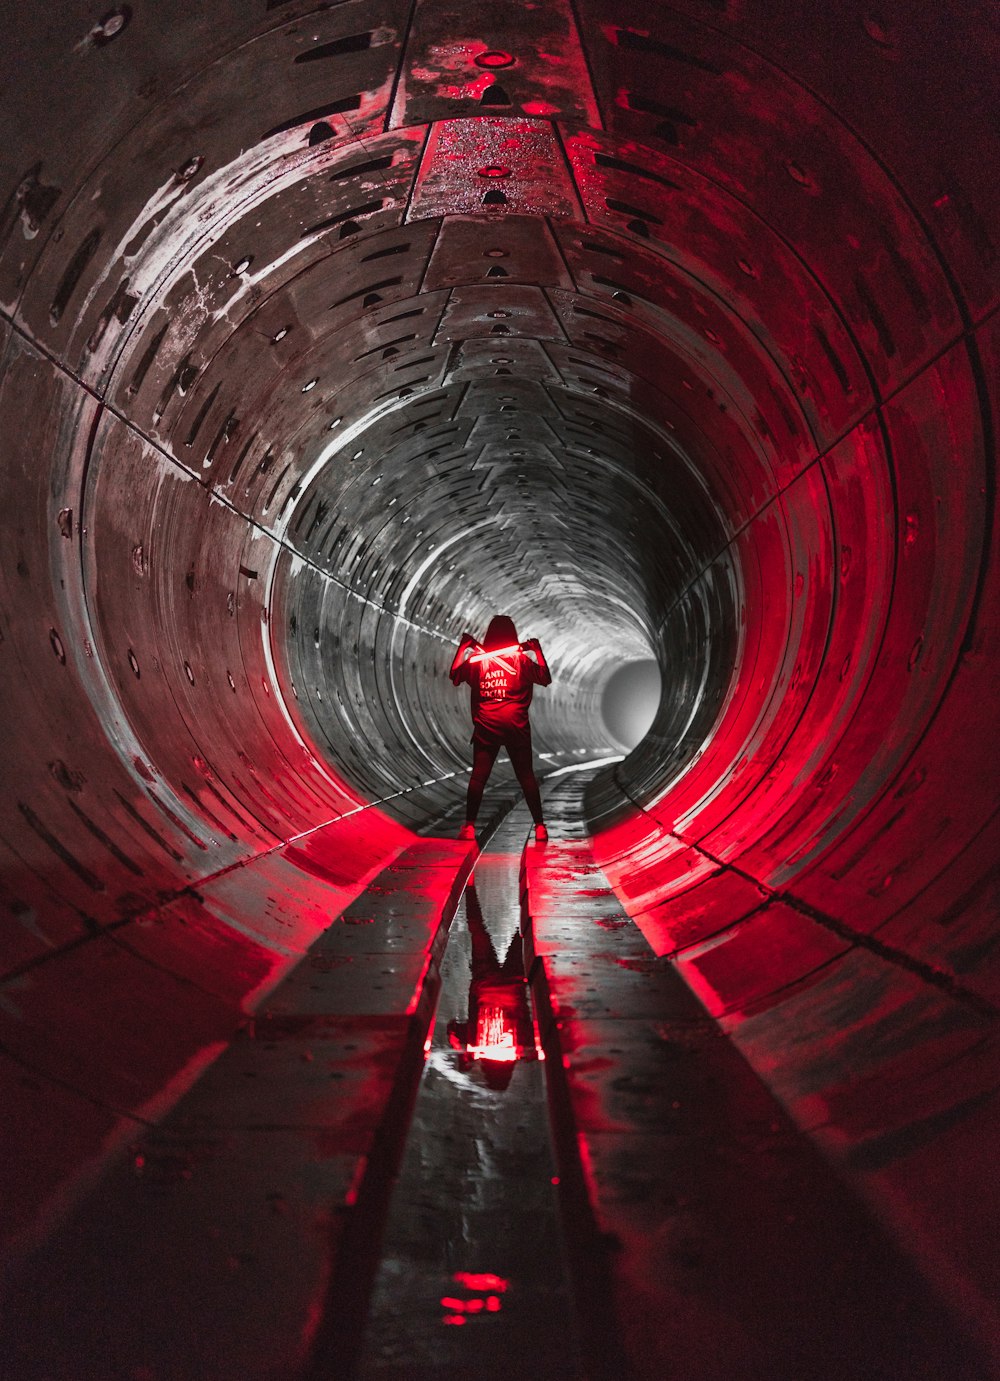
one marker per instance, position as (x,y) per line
(694,1233)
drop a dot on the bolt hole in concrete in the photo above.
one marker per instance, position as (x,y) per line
(630,701)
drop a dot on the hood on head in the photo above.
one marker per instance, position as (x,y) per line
(501,632)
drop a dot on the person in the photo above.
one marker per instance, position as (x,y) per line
(502,676)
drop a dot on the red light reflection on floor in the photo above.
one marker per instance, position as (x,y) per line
(484,1297)
(496,1038)
(482,1281)
(499,1030)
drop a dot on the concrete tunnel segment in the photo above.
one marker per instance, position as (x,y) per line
(671,331)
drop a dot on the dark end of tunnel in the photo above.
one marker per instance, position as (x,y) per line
(630,701)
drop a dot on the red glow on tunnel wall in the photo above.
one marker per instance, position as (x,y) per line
(797,801)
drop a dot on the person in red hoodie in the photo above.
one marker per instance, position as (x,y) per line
(502,673)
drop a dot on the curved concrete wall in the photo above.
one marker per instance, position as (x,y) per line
(671,331)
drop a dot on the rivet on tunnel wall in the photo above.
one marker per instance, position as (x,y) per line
(133,662)
(57,646)
(111,25)
(798,174)
(878,32)
(189,169)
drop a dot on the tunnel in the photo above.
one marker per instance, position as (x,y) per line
(331,330)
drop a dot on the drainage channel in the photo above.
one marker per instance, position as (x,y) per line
(473,1279)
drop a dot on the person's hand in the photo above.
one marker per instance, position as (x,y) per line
(533,643)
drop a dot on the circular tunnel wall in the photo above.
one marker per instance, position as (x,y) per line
(675,339)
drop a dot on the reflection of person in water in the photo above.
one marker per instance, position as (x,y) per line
(502,676)
(499,1029)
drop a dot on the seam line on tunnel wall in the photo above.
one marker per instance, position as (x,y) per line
(390,110)
(981,386)
(584,49)
(968,338)
(209,489)
(937,978)
(872,414)
(191,887)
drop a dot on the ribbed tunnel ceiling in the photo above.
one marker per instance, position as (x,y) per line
(452,304)
(331,330)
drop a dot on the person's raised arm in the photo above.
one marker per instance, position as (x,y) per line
(465,647)
(533,645)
